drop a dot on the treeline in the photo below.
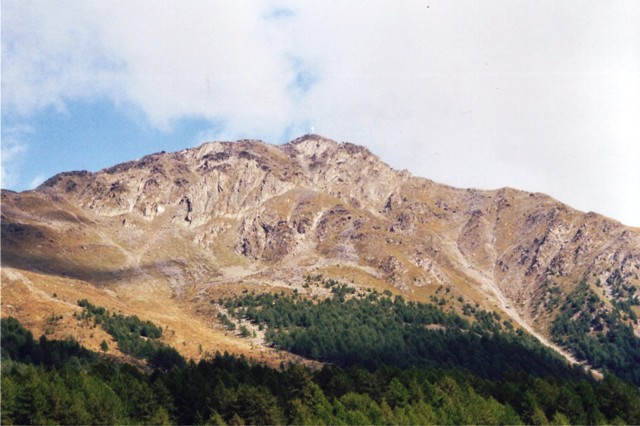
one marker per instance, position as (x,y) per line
(118,325)
(87,389)
(597,335)
(134,336)
(18,344)
(378,330)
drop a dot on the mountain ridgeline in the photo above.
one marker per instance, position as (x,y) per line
(180,238)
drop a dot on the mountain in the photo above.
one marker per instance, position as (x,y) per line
(165,236)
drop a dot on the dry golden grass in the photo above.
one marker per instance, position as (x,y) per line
(34,299)
(336,210)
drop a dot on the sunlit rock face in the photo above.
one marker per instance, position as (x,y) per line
(256,213)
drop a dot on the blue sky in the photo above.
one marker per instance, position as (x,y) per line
(90,135)
(537,95)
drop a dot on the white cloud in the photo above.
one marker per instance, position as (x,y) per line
(36,181)
(14,147)
(540,95)
(53,53)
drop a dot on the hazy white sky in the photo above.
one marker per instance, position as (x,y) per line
(537,95)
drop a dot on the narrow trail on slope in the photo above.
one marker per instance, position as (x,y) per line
(14,275)
(491,288)
(504,304)
(133,261)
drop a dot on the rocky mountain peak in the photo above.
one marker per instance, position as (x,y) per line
(311,138)
(250,212)
(316,147)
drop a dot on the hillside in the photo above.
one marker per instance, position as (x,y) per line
(164,236)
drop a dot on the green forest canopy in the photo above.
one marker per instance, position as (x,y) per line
(81,387)
(387,361)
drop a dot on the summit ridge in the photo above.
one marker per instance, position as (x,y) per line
(172,230)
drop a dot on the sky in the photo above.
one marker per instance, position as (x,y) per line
(539,95)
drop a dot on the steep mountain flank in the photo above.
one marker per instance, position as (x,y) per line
(171,230)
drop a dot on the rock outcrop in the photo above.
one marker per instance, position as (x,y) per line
(251,212)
